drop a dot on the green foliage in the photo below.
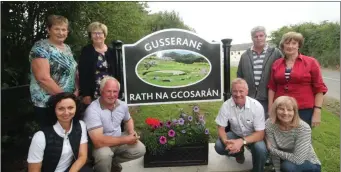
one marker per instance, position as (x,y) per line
(322,41)
(187,130)
(125,20)
(166,20)
(326,142)
(24,23)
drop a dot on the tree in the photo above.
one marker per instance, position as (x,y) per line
(24,23)
(165,20)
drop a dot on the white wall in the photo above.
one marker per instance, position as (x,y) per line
(235,57)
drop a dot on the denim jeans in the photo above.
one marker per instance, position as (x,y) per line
(258,151)
(306,115)
(287,166)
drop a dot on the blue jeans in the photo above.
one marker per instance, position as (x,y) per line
(287,166)
(258,151)
(306,115)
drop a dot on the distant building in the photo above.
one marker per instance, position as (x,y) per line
(237,50)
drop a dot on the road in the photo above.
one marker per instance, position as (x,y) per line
(332,80)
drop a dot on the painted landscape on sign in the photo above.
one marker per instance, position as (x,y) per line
(173,68)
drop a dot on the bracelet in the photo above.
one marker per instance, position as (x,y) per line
(318,107)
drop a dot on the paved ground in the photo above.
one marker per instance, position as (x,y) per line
(216,163)
(332,80)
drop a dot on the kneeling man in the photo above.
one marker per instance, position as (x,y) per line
(246,117)
(103,119)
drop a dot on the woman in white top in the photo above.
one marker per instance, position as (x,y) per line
(62,146)
(289,138)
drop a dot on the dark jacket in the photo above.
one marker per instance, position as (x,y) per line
(245,71)
(54,146)
(87,68)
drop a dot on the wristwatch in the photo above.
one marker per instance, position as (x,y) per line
(244,141)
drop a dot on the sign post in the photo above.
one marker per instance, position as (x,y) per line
(172,66)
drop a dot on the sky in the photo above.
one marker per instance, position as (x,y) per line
(219,20)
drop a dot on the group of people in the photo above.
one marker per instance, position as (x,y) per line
(286,88)
(276,99)
(59,87)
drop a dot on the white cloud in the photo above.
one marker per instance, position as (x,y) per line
(218,20)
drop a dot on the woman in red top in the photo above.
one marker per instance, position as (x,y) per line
(298,76)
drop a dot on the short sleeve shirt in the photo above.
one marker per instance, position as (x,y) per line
(244,121)
(38,144)
(62,70)
(97,116)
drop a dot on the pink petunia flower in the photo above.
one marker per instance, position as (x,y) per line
(168,124)
(163,140)
(171,133)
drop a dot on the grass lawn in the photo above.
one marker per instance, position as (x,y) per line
(326,138)
(190,73)
(326,142)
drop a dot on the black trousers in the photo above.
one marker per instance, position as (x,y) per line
(85,168)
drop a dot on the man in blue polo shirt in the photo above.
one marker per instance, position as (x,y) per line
(103,119)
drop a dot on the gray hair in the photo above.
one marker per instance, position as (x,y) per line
(258,29)
(105,80)
(239,81)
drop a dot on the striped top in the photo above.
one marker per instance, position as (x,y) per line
(258,64)
(287,73)
(293,145)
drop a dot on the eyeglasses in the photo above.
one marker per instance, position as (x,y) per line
(97,33)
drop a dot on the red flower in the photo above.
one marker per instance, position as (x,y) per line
(152,122)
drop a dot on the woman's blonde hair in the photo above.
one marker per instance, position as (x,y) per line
(55,20)
(285,101)
(97,25)
(292,36)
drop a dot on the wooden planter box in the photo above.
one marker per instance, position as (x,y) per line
(179,156)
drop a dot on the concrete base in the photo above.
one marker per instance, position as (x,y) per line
(216,163)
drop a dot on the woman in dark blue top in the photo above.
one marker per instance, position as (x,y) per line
(96,61)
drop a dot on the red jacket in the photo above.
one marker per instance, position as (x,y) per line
(305,80)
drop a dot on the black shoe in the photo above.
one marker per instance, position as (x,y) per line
(268,162)
(240,158)
(116,167)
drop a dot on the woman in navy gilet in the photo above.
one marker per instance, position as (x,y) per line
(62,145)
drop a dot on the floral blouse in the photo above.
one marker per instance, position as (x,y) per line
(101,72)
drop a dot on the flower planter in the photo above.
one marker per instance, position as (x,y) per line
(179,156)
